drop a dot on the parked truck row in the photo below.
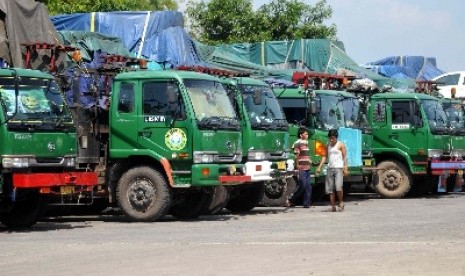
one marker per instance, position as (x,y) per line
(186,143)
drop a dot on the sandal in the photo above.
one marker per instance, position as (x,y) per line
(341,207)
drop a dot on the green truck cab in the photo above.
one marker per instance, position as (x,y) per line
(412,144)
(38,149)
(321,110)
(170,143)
(265,139)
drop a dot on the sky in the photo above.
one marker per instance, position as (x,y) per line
(372,30)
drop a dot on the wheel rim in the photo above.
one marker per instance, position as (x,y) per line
(391,179)
(141,194)
(273,189)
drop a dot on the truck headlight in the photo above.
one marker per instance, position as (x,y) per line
(200,157)
(256,155)
(457,153)
(15,162)
(70,162)
(434,153)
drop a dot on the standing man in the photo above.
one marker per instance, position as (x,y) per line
(303,161)
(337,168)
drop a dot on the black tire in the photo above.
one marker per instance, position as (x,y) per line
(27,209)
(143,194)
(246,198)
(277,193)
(193,205)
(220,198)
(392,179)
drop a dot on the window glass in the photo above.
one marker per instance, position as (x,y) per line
(400,113)
(126,98)
(449,80)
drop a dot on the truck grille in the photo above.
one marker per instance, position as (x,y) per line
(49,160)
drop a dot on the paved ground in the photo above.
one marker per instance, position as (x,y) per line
(415,236)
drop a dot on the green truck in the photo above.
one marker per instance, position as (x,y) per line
(38,149)
(319,106)
(331,109)
(412,144)
(265,139)
(167,142)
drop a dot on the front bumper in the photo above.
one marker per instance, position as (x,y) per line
(42,180)
(218,174)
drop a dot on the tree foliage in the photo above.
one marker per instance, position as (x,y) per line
(83,6)
(229,21)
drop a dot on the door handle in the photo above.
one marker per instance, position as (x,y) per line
(145,133)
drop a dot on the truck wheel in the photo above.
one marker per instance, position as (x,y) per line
(193,205)
(143,194)
(246,198)
(277,192)
(392,180)
(27,209)
(220,198)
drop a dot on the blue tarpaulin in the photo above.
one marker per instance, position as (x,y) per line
(401,67)
(158,36)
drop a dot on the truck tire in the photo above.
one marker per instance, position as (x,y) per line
(392,179)
(193,205)
(220,198)
(246,198)
(276,193)
(27,209)
(143,194)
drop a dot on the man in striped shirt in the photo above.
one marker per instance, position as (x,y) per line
(304,164)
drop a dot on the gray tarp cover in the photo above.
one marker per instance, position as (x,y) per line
(24,21)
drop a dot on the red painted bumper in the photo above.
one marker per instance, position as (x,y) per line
(40,180)
(235,178)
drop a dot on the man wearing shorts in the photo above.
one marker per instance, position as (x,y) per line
(337,168)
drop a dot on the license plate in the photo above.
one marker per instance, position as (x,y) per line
(66,190)
(281,165)
(367,162)
(460,172)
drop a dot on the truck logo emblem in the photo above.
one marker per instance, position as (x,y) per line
(51,146)
(229,145)
(278,143)
(175,139)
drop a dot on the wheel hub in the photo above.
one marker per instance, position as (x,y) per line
(391,179)
(274,189)
(141,193)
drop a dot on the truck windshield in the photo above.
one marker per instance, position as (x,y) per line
(436,116)
(262,107)
(39,103)
(354,117)
(211,104)
(456,117)
(331,112)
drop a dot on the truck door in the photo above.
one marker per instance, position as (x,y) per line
(406,131)
(123,119)
(161,122)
